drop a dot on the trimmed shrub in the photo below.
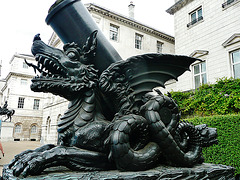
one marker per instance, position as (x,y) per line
(227,151)
(210,99)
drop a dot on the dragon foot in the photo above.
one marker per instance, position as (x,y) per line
(34,162)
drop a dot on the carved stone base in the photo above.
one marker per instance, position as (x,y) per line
(203,171)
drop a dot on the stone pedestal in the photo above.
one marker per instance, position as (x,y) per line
(202,171)
(7,131)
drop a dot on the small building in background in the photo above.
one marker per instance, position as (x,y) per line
(15,89)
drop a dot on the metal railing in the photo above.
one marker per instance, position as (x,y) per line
(227,3)
(195,21)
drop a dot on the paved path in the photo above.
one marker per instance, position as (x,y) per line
(13,148)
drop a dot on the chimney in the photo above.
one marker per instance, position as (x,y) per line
(131,10)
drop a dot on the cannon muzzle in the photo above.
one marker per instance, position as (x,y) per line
(73,23)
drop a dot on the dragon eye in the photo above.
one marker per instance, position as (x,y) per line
(73,54)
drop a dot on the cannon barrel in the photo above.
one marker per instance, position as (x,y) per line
(73,23)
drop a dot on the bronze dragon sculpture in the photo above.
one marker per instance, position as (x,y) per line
(114,119)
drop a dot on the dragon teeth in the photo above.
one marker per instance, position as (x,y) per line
(41,59)
(37,57)
(46,62)
(46,67)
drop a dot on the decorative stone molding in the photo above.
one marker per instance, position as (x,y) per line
(54,40)
(130,22)
(235,38)
(15,74)
(199,53)
(177,6)
(23,56)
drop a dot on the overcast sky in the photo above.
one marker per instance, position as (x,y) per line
(22,19)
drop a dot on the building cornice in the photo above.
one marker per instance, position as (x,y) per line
(23,56)
(54,40)
(30,96)
(14,74)
(18,75)
(177,6)
(130,22)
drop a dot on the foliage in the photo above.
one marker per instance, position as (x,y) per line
(215,101)
(228,148)
(211,99)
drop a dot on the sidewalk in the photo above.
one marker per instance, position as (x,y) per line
(13,148)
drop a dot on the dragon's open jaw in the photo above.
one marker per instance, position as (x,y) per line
(62,71)
(53,76)
(48,67)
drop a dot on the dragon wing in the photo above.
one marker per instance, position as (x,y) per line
(140,74)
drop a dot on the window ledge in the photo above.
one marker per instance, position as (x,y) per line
(195,24)
(226,6)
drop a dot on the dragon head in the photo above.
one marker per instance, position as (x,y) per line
(208,135)
(66,73)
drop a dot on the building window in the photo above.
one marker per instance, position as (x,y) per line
(33,129)
(114,32)
(25,66)
(20,102)
(36,104)
(195,16)
(18,128)
(159,47)
(138,41)
(48,125)
(235,56)
(200,76)
(23,81)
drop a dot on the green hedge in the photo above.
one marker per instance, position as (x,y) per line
(227,151)
(211,99)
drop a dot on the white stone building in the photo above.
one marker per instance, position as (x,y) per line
(128,36)
(208,30)
(27,104)
(126,33)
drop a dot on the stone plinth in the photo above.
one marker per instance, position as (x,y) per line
(7,131)
(203,171)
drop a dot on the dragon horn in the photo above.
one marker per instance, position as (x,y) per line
(89,49)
